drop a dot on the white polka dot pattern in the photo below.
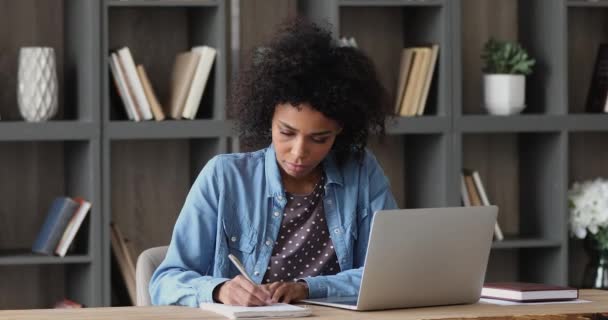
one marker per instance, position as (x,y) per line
(309,246)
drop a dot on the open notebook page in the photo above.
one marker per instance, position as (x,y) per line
(278,310)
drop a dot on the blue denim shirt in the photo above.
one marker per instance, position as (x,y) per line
(235,206)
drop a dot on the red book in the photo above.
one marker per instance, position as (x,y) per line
(527,292)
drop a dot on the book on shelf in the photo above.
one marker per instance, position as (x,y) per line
(199,80)
(181,78)
(157,109)
(597,96)
(130,72)
(474,193)
(416,71)
(73,226)
(124,258)
(123,89)
(56,220)
(527,292)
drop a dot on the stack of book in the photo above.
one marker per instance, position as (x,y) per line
(63,220)
(474,194)
(415,76)
(190,73)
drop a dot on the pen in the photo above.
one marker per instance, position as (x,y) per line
(239,266)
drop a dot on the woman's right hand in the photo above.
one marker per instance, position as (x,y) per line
(240,292)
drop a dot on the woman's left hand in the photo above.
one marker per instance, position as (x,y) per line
(288,292)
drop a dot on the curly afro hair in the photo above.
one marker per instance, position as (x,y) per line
(302,64)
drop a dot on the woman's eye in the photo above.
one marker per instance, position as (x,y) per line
(285,133)
(320,140)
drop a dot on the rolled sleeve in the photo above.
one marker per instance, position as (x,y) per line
(205,291)
(317,287)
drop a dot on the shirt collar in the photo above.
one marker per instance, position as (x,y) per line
(274,186)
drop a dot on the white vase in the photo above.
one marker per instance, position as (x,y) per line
(504,94)
(37,83)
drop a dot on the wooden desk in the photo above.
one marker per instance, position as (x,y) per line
(577,311)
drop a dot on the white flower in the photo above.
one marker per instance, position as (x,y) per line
(588,207)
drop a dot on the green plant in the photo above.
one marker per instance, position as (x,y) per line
(506,57)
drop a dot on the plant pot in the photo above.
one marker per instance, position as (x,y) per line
(504,94)
(37,83)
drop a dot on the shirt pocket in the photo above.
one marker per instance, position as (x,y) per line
(240,237)
(357,219)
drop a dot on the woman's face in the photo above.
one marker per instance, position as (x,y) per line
(301,138)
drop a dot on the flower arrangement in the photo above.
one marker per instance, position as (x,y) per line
(588,202)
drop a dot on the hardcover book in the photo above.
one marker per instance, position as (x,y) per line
(527,292)
(57,219)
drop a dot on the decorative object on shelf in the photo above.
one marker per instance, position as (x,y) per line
(504,81)
(588,202)
(37,83)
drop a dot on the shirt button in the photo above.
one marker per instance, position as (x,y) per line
(233,239)
(269,242)
(256,273)
(276,213)
(279,198)
(337,230)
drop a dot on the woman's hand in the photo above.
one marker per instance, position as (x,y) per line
(288,292)
(240,292)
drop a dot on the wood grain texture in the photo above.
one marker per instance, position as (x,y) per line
(495,157)
(259,19)
(36,175)
(478,311)
(481,20)
(588,27)
(27,23)
(154,36)
(150,180)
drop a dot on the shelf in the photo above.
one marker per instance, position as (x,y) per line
(423,124)
(34,259)
(515,123)
(588,122)
(169,129)
(44,131)
(162,3)
(523,243)
(388,3)
(588,3)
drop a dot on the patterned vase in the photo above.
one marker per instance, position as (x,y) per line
(37,83)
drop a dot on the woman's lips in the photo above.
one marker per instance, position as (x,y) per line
(296,167)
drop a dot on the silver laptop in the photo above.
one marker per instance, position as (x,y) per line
(423,257)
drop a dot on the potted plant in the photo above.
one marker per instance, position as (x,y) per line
(506,65)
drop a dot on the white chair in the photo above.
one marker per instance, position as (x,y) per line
(147,262)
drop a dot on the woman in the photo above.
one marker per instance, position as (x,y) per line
(297,214)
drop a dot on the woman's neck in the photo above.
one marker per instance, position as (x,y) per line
(303,185)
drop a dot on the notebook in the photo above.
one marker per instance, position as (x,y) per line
(527,292)
(278,310)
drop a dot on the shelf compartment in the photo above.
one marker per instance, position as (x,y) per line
(587,29)
(514,123)
(409,26)
(47,131)
(529,22)
(527,184)
(63,25)
(415,165)
(544,264)
(169,129)
(162,32)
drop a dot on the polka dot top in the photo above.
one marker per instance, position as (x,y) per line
(303,247)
